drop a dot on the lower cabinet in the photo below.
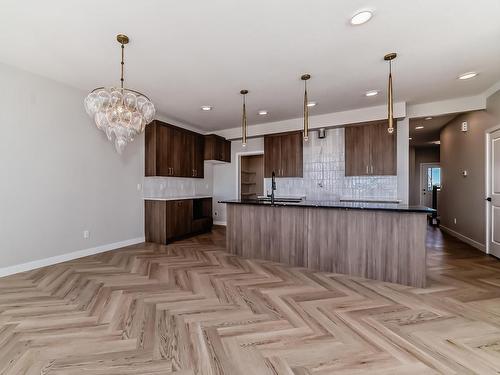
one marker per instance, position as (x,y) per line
(166,221)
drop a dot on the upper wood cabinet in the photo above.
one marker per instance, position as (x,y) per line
(172,151)
(283,154)
(217,148)
(370,150)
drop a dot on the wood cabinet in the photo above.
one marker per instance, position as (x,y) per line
(283,154)
(179,218)
(172,151)
(217,148)
(166,221)
(370,150)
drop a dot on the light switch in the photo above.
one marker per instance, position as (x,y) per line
(465,126)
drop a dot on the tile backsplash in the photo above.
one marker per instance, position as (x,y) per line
(172,187)
(324,174)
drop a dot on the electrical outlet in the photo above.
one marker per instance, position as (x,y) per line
(465,126)
(454,220)
(86,234)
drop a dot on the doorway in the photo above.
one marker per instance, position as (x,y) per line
(251,176)
(430,177)
(493,193)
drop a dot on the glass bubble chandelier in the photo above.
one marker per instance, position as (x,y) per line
(121,113)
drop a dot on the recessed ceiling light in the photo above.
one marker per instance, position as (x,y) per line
(371,93)
(206,108)
(428,118)
(263,112)
(311,104)
(410,138)
(419,127)
(361,17)
(468,75)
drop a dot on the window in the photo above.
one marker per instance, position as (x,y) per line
(433,177)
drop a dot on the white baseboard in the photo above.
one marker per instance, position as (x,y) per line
(463,238)
(6,271)
(220,223)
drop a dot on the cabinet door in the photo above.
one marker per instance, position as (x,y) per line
(155,221)
(198,151)
(179,218)
(226,156)
(272,156)
(164,151)
(383,150)
(291,155)
(357,151)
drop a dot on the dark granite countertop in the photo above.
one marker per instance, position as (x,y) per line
(338,205)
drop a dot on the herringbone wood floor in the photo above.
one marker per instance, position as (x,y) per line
(191,308)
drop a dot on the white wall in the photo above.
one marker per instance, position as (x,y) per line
(226,176)
(60,175)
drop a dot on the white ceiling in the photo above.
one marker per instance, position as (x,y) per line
(431,131)
(184,54)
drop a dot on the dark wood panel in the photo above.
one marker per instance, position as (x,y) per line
(272,155)
(155,221)
(381,245)
(292,155)
(173,151)
(179,218)
(383,150)
(150,150)
(217,148)
(357,151)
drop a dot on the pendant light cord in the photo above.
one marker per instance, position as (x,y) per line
(123,64)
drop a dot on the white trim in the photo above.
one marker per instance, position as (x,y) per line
(238,156)
(463,238)
(488,184)
(224,223)
(23,267)
(420,175)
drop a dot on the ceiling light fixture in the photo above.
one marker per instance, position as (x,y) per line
(390,100)
(244,119)
(428,118)
(263,112)
(120,112)
(371,93)
(468,75)
(361,17)
(307,104)
(419,127)
(206,108)
(410,138)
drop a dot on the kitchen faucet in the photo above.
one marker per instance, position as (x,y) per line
(273,186)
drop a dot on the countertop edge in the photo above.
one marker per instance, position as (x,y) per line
(176,198)
(339,206)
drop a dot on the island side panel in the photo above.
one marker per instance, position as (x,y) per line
(265,232)
(381,245)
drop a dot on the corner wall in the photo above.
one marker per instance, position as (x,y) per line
(60,175)
(463,198)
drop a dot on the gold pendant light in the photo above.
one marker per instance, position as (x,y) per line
(390,99)
(305,78)
(244,119)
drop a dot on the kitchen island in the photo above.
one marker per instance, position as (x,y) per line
(381,241)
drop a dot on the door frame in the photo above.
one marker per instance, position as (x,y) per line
(422,165)
(238,170)
(487,182)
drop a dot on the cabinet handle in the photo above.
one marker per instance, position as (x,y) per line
(372,169)
(367,170)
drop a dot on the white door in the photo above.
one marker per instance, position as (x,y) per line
(430,176)
(494,191)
